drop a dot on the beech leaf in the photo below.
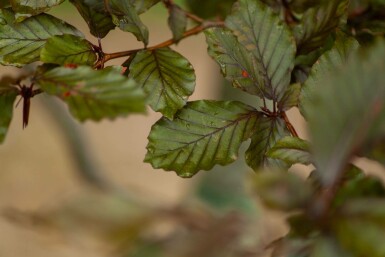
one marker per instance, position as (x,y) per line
(270,42)
(290,98)
(21,42)
(68,49)
(177,21)
(26,8)
(318,23)
(166,76)
(236,63)
(291,150)
(94,94)
(267,132)
(98,20)
(125,16)
(202,134)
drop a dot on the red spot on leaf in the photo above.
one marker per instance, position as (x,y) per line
(71,65)
(66,94)
(245,74)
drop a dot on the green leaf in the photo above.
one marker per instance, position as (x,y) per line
(143,5)
(360,236)
(99,22)
(269,41)
(7,98)
(336,57)
(125,16)
(290,98)
(33,7)
(291,150)
(68,49)
(94,94)
(202,134)
(347,112)
(207,9)
(268,131)
(166,76)
(282,190)
(20,43)
(177,21)
(318,23)
(236,62)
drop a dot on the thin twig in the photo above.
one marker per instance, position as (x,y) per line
(289,126)
(188,33)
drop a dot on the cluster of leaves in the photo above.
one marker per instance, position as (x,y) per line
(324,57)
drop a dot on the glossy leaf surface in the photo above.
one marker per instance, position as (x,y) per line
(21,42)
(269,41)
(166,76)
(94,94)
(202,134)
(68,49)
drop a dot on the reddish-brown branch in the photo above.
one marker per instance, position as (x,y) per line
(188,33)
(289,126)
